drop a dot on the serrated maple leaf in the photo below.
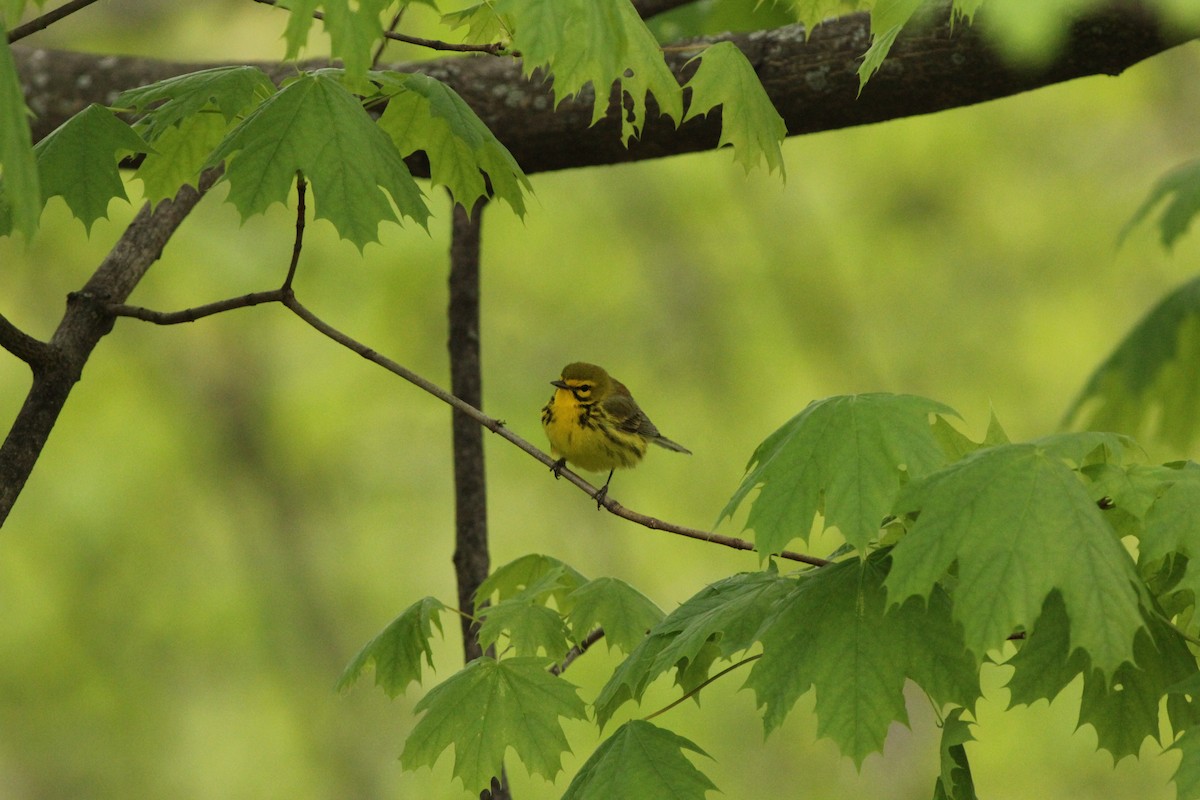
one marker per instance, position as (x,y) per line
(397,650)
(749,122)
(316,127)
(831,633)
(625,613)
(845,457)
(581,42)
(1019,523)
(79,161)
(229,91)
(488,707)
(425,114)
(640,760)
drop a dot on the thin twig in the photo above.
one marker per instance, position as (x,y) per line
(288,299)
(301,191)
(198,312)
(433,44)
(391,28)
(578,650)
(46,20)
(693,692)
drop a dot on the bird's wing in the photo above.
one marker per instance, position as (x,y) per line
(628,417)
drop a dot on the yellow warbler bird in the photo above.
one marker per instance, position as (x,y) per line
(593,422)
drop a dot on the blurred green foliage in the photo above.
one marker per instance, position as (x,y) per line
(230,509)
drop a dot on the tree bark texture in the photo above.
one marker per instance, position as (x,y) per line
(811,79)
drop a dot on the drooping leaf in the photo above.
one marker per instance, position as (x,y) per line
(79,161)
(1019,523)
(832,633)
(1149,387)
(355,28)
(844,457)
(814,12)
(1044,664)
(20,194)
(581,42)
(227,91)
(749,122)
(888,18)
(626,614)
(488,707)
(397,650)
(640,760)
(316,127)
(425,114)
(954,781)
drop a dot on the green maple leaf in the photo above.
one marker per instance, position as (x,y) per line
(1019,523)
(1044,664)
(641,760)
(425,114)
(888,18)
(1148,385)
(625,613)
(1123,708)
(229,91)
(954,781)
(844,457)
(1182,186)
(488,707)
(397,650)
(316,127)
(20,194)
(180,153)
(529,626)
(79,161)
(832,633)
(749,122)
(531,575)
(354,28)
(718,621)
(581,41)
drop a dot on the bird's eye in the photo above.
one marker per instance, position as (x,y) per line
(584,388)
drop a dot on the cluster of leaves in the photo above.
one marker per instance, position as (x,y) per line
(957,553)
(317,123)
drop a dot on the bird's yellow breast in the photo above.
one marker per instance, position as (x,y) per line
(586,438)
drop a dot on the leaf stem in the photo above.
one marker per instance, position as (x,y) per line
(695,691)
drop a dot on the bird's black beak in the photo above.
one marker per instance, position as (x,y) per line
(560,384)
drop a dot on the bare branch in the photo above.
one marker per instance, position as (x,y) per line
(46,20)
(197,312)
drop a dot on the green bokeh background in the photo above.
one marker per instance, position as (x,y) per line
(228,510)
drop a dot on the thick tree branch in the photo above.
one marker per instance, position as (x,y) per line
(32,351)
(813,82)
(85,322)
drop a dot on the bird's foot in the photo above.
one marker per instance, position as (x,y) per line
(558,468)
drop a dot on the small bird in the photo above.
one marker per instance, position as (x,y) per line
(593,422)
